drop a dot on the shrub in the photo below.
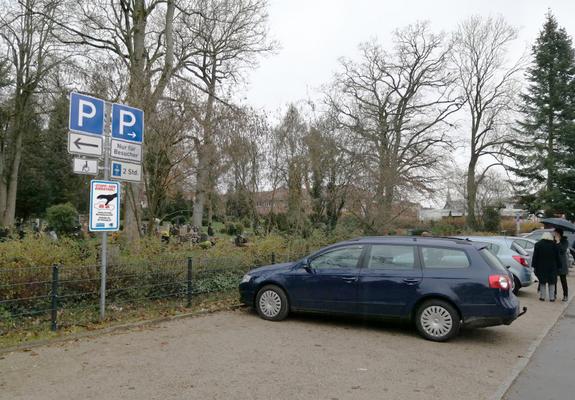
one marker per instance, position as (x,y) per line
(205,245)
(491,219)
(234,228)
(246,222)
(63,218)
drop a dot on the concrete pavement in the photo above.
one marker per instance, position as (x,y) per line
(550,374)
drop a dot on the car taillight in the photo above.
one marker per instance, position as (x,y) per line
(499,282)
(521,260)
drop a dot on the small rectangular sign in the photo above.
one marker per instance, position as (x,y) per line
(125,171)
(85,166)
(84,144)
(126,151)
(104,206)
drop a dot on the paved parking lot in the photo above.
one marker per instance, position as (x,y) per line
(236,355)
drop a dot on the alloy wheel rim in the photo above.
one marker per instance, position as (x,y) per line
(436,321)
(270,303)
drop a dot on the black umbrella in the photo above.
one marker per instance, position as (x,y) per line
(559,223)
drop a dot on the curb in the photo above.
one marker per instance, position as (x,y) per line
(522,363)
(110,329)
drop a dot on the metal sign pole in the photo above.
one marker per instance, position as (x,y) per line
(104,256)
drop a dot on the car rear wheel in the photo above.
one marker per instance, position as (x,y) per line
(437,320)
(272,303)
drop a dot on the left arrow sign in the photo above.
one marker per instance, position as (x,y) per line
(84,144)
(79,144)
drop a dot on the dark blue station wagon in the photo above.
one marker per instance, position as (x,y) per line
(437,283)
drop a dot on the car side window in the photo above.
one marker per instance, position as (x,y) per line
(391,257)
(493,247)
(342,258)
(434,257)
(525,244)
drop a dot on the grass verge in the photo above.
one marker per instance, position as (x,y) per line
(37,329)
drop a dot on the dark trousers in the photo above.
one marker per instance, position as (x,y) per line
(563,279)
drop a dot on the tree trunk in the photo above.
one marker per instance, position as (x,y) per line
(135,98)
(10,211)
(471,219)
(201,184)
(205,154)
(550,154)
(11,180)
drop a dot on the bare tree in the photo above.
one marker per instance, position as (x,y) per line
(493,191)
(32,53)
(229,37)
(489,85)
(395,106)
(331,172)
(149,39)
(244,157)
(169,155)
(290,163)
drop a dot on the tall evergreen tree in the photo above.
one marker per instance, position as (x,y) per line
(547,124)
(46,176)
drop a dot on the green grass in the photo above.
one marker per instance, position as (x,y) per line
(73,321)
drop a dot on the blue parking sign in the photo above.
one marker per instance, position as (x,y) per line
(127,123)
(86,114)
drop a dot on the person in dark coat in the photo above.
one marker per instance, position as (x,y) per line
(545,263)
(563,270)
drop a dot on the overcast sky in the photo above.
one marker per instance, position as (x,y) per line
(313,34)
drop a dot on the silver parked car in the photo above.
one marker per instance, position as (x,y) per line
(514,257)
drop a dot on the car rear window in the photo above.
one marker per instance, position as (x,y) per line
(524,244)
(515,246)
(435,257)
(494,248)
(492,260)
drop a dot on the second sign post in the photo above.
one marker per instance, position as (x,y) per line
(91,142)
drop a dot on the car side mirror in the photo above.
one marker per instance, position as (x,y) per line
(508,266)
(306,265)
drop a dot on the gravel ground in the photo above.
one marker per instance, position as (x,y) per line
(236,355)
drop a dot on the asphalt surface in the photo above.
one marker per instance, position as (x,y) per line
(550,374)
(236,355)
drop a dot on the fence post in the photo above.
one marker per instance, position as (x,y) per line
(273,257)
(189,281)
(54,297)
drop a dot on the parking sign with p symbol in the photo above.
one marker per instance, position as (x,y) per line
(86,114)
(127,123)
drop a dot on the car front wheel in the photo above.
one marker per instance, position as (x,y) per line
(437,320)
(272,303)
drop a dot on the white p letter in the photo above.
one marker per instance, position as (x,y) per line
(83,104)
(126,122)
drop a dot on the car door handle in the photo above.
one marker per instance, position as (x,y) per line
(411,281)
(349,279)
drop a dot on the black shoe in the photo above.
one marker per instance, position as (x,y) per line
(540,299)
(565,298)
(552,301)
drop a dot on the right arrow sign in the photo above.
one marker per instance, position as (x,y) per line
(84,144)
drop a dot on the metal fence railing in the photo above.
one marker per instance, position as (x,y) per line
(69,295)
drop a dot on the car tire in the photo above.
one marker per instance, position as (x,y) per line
(437,320)
(272,303)
(516,285)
